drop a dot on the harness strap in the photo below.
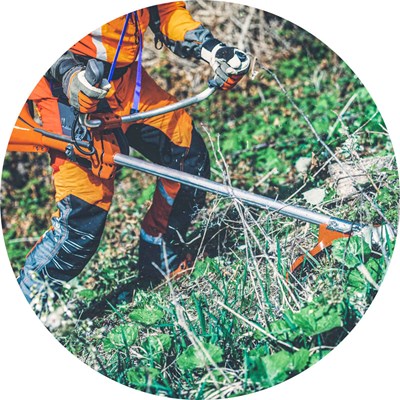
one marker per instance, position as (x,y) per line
(155,24)
(121,38)
(138,87)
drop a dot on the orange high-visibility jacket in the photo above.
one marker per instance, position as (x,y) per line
(175,22)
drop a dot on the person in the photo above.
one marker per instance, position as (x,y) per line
(83,199)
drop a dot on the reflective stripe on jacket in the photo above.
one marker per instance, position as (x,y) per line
(175,21)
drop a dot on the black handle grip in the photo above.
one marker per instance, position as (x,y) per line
(94,72)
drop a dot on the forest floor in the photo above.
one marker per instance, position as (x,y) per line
(302,129)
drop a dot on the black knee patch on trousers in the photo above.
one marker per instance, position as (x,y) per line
(158,148)
(85,225)
(65,249)
(189,200)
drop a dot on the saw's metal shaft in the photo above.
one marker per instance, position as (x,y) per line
(248,198)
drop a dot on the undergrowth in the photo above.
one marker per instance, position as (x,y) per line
(241,322)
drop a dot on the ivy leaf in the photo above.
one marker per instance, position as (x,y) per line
(146,316)
(193,357)
(120,337)
(351,252)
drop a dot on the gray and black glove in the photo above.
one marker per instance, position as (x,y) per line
(229,63)
(83,85)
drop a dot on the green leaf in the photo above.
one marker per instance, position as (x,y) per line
(356,281)
(299,360)
(120,337)
(315,318)
(273,369)
(282,331)
(259,352)
(146,316)
(142,376)
(158,343)
(88,294)
(374,267)
(351,252)
(200,269)
(277,366)
(194,357)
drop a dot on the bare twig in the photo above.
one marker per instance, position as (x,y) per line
(326,147)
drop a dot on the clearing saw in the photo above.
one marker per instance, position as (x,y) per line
(94,140)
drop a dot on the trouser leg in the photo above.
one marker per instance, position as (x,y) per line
(83,201)
(64,249)
(169,140)
(174,206)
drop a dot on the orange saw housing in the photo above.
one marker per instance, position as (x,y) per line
(27,136)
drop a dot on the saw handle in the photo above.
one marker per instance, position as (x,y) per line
(98,123)
(94,72)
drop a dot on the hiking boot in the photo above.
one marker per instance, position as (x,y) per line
(184,268)
(158,262)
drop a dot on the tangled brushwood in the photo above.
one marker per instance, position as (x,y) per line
(303,129)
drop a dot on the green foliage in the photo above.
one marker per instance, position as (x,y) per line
(146,316)
(194,356)
(351,252)
(87,294)
(316,318)
(122,336)
(242,285)
(357,283)
(273,369)
(158,343)
(141,377)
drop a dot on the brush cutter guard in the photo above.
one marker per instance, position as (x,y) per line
(326,237)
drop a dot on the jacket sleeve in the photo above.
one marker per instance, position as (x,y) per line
(181,33)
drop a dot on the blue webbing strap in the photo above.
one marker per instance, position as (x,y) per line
(136,97)
(121,38)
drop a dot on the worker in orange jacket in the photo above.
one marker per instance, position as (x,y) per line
(83,199)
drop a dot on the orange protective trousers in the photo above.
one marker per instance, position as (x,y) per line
(83,199)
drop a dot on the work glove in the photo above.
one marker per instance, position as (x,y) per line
(85,86)
(229,63)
